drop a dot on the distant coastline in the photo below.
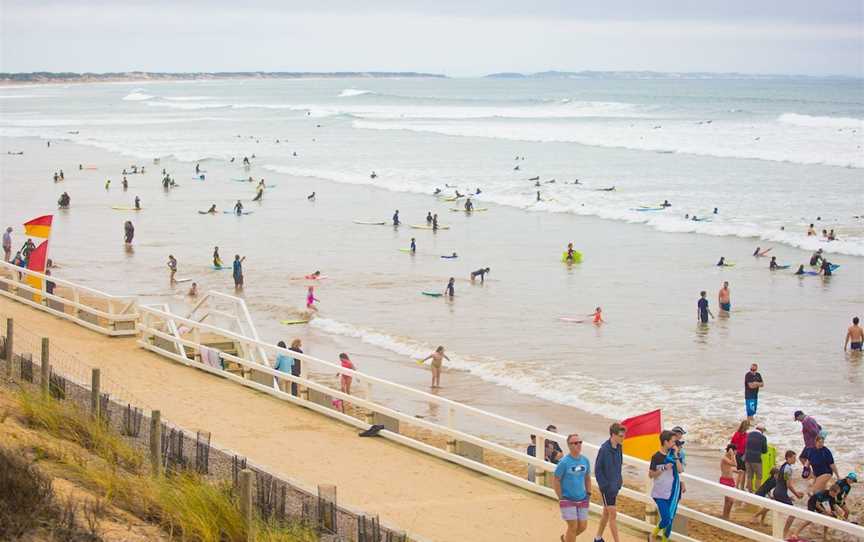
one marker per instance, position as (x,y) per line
(136,76)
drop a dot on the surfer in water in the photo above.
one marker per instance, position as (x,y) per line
(435,222)
(759,253)
(665,204)
(396,218)
(373,175)
(172,265)
(238,208)
(571,253)
(437,191)
(137,203)
(125,184)
(212,209)
(429,218)
(479,273)
(816,258)
(538,196)
(722,262)
(217,260)
(311,299)
(597,317)
(437,357)
(260,195)
(311,197)
(450,289)
(129,231)
(800,270)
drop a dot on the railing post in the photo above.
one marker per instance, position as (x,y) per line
(77,298)
(95,391)
(45,381)
(245,480)
(540,448)
(777,524)
(10,335)
(156,442)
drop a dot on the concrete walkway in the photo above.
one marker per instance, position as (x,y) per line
(425,496)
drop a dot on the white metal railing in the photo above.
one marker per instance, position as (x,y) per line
(96,310)
(151,317)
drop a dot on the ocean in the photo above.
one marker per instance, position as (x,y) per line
(772,156)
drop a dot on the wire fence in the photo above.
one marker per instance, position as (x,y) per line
(275,498)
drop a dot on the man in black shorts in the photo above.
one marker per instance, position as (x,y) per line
(607,470)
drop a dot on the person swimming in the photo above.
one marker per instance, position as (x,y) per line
(212,209)
(437,191)
(598,317)
(435,222)
(665,204)
(800,270)
(722,262)
(373,175)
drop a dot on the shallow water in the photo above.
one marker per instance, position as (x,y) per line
(506,332)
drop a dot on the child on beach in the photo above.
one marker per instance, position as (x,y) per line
(311,299)
(345,380)
(172,265)
(437,358)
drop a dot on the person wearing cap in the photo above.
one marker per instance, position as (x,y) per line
(666,489)
(679,434)
(822,462)
(810,429)
(845,485)
(757,444)
(572,484)
(752,382)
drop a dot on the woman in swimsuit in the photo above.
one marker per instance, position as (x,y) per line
(345,380)
(437,358)
(311,299)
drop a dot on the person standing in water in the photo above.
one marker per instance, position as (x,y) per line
(854,336)
(396,218)
(429,218)
(437,357)
(129,231)
(217,260)
(435,222)
(238,208)
(752,383)
(137,203)
(238,271)
(450,289)
(311,299)
(172,265)
(702,310)
(724,298)
(413,246)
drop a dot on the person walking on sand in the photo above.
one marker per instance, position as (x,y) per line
(782,487)
(724,298)
(854,336)
(607,470)
(7,244)
(822,462)
(572,485)
(238,271)
(129,232)
(756,445)
(702,310)
(437,357)
(739,439)
(752,383)
(345,380)
(728,469)
(810,429)
(172,265)
(311,299)
(666,489)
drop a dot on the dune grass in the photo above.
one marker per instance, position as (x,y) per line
(184,504)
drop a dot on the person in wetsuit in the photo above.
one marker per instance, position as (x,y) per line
(469,205)
(816,258)
(826,268)
(429,218)
(722,262)
(413,246)
(129,232)
(396,218)
(480,273)
(800,270)
(450,289)
(217,260)
(435,222)
(238,208)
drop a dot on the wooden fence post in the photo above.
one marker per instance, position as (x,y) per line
(95,391)
(156,442)
(9,350)
(246,502)
(45,381)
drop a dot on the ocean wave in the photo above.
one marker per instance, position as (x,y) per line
(188,98)
(810,121)
(709,414)
(349,92)
(796,145)
(137,97)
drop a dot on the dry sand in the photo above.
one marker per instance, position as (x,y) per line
(425,496)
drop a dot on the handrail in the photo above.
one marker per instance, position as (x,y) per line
(453,407)
(39,298)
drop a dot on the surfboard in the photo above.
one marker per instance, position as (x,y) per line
(243,180)
(184,279)
(727,264)
(293,322)
(649,209)
(700,220)
(223,268)
(90,167)
(783,267)
(572,320)
(432,294)
(833,266)
(206,213)
(450,257)
(811,273)
(198,177)
(477,209)
(122,208)
(404,250)
(425,227)
(453,198)
(233,213)
(371,222)
(577,257)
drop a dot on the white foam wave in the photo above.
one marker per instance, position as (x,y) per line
(349,92)
(137,97)
(707,413)
(798,145)
(188,98)
(810,121)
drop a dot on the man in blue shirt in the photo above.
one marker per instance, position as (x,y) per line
(572,484)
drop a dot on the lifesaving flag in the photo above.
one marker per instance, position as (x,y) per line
(36,262)
(643,434)
(39,227)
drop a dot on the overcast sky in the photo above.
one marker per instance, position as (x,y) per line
(454,37)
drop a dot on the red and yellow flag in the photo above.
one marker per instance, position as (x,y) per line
(643,434)
(36,262)
(39,227)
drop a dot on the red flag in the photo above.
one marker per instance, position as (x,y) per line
(643,433)
(39,227)
(38,258)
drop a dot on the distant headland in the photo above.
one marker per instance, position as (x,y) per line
(88,77)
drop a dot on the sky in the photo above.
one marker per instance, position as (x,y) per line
(453,37)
